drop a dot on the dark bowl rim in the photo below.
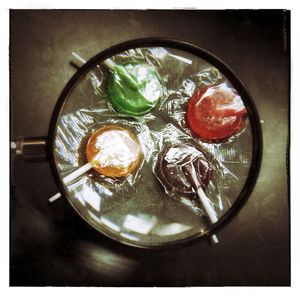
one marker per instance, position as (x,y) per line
(257,143)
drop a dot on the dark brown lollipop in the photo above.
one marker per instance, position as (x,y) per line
(170,168)
(184,169)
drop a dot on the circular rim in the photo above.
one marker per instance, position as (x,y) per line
(257,143)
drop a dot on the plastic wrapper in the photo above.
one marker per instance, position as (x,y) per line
(137,209)
(71,144)
(217,185)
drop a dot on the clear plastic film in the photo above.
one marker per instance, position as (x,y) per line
(71,144)
(173,153)
(141,208)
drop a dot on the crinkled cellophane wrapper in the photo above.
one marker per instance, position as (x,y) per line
(137,209)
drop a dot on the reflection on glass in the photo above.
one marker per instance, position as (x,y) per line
(182,59)
(171,229)
(110,224)
(140,224)
(161,53)
(95,217)
(78,196)
(92,198)
(129,236)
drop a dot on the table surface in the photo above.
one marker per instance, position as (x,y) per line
(51,245)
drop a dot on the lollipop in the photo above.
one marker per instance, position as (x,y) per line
(170,165)
(184,169)
(133,88)
(216,113)
(112,151)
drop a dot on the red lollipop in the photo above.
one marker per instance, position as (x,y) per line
(216,113)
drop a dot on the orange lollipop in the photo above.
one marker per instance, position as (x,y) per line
(114,151)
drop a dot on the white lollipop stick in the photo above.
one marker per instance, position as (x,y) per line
(214,239)
(205,202)
(54,197)
(210,212)
(78,59)
(109,63)
(81,170)
(69,178)
(189,171)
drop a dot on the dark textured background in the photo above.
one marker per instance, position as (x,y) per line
(50,245)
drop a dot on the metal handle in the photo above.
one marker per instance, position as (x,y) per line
(29,149)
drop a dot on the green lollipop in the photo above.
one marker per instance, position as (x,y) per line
(133,88)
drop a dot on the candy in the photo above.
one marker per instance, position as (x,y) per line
(216,113)
(134,88)
(113,151)
(171,168)
(184,169)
